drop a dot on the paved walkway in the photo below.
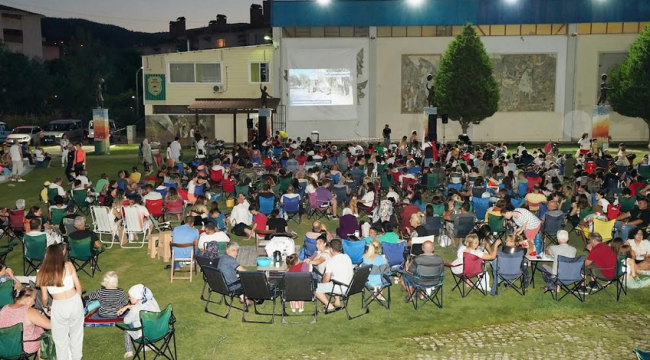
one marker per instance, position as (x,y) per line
(589,337)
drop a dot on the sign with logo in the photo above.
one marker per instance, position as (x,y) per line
(154,85)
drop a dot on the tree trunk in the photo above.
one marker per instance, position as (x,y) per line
(647,122)
(464,124)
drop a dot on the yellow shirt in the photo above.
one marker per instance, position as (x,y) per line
(135,177)
(536,199)
(44,194)
(283,134)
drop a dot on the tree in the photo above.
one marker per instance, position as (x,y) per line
(630,81)
(465,87)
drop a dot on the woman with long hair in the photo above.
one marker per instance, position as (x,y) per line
(373,257)
(57,277)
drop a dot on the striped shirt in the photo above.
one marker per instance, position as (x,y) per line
(526,217)
(110,301)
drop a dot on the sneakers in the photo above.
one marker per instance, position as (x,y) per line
(21,180)
(12,179)
(584,291)
(128,354)
(592,285)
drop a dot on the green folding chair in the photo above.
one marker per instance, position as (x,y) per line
(11,344)
(157,334)
(5,250)
(242,189)
(497,225)
(79,198)
(82,254)
(627,203)
(56,215)
(6,294)
(35,247)
(285,182)
(51,193)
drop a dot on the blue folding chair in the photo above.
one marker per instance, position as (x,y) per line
(458,187)
(570,275)
(522,189)
(394,253)
(292,209)
(355,250)
(481,206)
(308,249)
(266,204)
(162,192)
(516,202)
(510,269)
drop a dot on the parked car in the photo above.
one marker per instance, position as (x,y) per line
(5,130)
(25,134)
(55,130)
(114,135)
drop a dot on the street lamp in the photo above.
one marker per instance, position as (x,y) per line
(137,94)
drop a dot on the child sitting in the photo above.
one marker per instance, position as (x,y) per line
(110,297)
(295,265)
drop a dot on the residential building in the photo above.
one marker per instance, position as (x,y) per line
(20,31)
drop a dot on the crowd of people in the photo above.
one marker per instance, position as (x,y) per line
(384,192)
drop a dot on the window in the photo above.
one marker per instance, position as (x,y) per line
(260,72)
(208,73)
(220,43)
(12,35)
(195,73)
(181,73)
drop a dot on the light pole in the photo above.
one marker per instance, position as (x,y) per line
(137,94)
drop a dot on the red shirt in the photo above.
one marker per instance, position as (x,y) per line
(260,221)
(603,257)
(634,187)
(301,159)
(299,267)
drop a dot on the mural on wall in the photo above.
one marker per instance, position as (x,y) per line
(527,81)
(415,68)
(167,127)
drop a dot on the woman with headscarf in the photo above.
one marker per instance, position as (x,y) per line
(141,299)
(147,157)
(348,224)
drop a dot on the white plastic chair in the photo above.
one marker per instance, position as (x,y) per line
(102,224)
(132,227)
(192,268)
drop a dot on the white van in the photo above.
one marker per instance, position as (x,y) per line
(114,134)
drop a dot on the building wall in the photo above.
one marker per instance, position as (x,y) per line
(30,25)
(508,126)
(235,82)
(588,84)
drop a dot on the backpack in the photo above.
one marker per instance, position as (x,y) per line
(211,250)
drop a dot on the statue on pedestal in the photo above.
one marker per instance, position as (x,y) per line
(603,90)
(265,95)
(431,91)
(99,94)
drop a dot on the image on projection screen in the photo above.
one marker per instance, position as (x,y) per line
(320,87)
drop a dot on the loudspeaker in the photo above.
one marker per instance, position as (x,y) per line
(261,130)
(249,123)
(445,119)
(433,127)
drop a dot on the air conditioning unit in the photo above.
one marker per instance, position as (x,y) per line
(218,89)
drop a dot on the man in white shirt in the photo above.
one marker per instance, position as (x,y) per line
(151,194)
(200,147)
(240,213)
(84,179)
(36,230)
(212,233)
(16,162)
(57,185)
(176,148)
(338,268)
(192,138)
(392,194)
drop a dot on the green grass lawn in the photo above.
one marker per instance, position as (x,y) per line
(379,335)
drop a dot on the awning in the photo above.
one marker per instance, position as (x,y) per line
(231,106)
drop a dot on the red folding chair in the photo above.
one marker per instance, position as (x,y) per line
(590,167)
(174,207)
(16,226)
(228,188)
(473,272)
(215,177)
(532,181)
(155,208)
(613,211)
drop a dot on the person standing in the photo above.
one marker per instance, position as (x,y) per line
(79,159)
(16,162)
(63,143)
(57,277)
(192,137)
(175,148)
(386,132)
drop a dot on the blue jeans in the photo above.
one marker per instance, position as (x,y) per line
(622,230)
(5,171)
(427,162)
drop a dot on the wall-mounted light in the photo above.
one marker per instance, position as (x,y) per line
(268,38)
(415,2)
(323,2)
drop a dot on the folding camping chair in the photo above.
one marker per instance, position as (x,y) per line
(35,248)
(16,226)
(570,276)
(11,343)
(552,224)
(427,282)
(103,225)
(202,262)
(217,284)
(256,287)
(316,211)
(434,225)
(355,250)
(367,210)
(56,215)
(6,293)
(510,269)
(5,250)
(481,206)
(619,280)
(472,274)
(156,209)
(394,254)
(605,229)
(267,204)
(377,292)
(156,327)
(79,199)
(291,207)
(51,194)
(641,355)
(298,287)
(345,291)
(133,227)
(497,225)
(82,254)
(308,249)
(464,227)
